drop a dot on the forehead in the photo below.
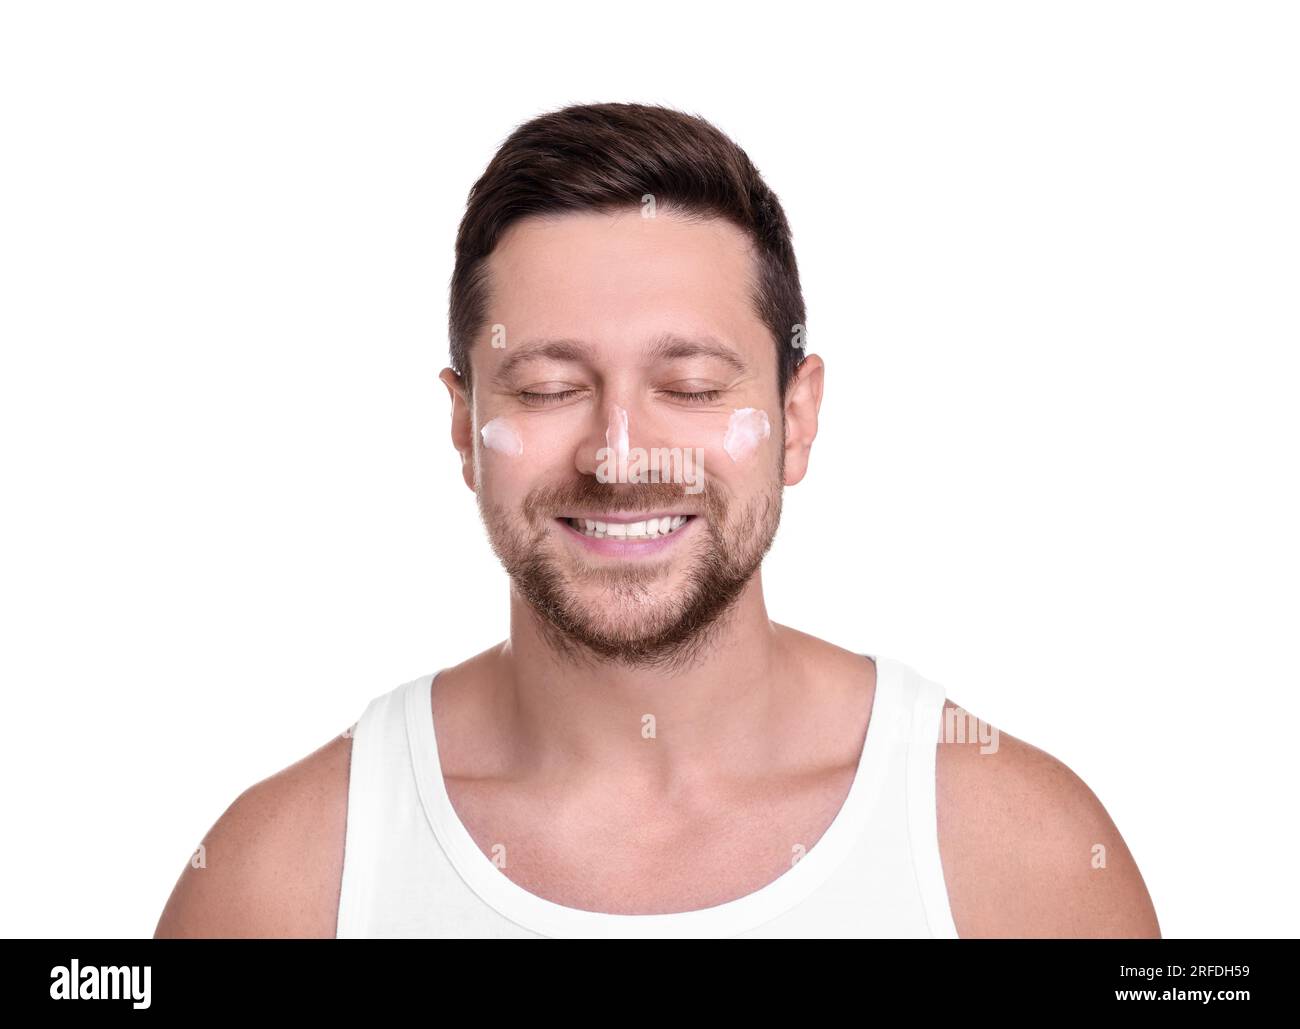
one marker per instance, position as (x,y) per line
(617,279)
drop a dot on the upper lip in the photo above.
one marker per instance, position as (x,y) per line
(622,517)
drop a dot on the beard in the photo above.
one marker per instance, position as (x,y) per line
(641,612)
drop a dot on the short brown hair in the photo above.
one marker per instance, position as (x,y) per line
(607,156)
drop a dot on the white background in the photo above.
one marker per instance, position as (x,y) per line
(1050,253)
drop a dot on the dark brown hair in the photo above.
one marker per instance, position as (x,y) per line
(607,156)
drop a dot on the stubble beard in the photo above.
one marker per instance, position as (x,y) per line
(633,618)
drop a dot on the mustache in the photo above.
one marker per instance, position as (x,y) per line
(547,502)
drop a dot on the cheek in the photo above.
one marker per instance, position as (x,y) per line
(504,461)
(515,447)
(501,436)
(746,431)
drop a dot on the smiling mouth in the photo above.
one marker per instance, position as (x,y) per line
(646,529)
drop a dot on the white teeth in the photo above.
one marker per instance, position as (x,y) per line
(652,528)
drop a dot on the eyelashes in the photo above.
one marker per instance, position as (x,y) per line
(704,396)
(543,399)
(707,396)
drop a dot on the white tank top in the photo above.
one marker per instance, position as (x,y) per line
(411,868)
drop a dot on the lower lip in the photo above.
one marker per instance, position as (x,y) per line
(610,547)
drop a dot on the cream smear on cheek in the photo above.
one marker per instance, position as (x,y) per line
(500,435)
(748,427)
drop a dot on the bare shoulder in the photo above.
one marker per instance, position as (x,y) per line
(1028,850)
(271,865)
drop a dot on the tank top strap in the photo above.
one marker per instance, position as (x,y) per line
(381,794)
(925,700)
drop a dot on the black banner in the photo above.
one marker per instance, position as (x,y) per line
(144,979)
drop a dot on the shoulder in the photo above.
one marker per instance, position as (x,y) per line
(271,865)
(1028,850)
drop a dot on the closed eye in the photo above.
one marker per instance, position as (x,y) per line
(706,396)
(542,399)
(534,399)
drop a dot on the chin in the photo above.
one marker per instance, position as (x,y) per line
(623,622)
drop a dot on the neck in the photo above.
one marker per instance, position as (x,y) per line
(721,705)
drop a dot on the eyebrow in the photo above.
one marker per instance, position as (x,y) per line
(666,347)
(669,347)
(541,349)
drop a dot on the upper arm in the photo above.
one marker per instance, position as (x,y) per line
(1029,850)
(272,863)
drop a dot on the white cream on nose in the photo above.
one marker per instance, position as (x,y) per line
(746,429)
(616,434)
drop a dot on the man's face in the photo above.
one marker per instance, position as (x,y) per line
(616,343)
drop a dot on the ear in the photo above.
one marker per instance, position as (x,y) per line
(462,423)
(803,402)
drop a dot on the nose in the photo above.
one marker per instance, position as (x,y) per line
(619,428)
(608,439)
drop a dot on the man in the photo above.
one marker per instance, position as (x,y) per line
(648,754)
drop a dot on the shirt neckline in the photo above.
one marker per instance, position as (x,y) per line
(729,918)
